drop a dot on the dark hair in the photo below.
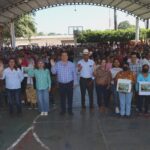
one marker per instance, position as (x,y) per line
(64,52)
(125,63)
(133,53)
(145,65)
(114,62)
(11,58)
(40,60)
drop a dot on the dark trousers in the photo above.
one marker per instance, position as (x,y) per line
(23,90)
(102,93)
(66,93)
(14,97)
(86,84)
(51,99)
(1,98)
(145,100)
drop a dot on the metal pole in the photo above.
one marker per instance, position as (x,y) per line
(115,19)
(137,34)
(13,38)
(147,24)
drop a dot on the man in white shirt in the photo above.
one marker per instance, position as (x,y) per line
(86,69)
(13,77)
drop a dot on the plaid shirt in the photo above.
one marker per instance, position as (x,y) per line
(65,72)
(136,68)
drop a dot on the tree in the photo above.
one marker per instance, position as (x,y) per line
(40,34)
(108,35)
(52,33)
(25,26)
(125,25)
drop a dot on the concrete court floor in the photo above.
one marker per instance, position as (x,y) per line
(83,131)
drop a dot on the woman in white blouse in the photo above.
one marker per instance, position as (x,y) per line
(13,77)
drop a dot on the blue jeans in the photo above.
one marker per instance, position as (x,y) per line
(43,100)
(115,95)
(125,103)
(13,96)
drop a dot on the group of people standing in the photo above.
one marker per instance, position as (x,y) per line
(103,75)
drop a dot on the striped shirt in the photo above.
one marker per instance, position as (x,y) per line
(136,68)
(65,72)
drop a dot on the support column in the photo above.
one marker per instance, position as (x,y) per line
(147,24)
(1,36)
(12,31)
(137,34)
(115,19)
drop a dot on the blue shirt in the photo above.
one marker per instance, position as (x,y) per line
(65,72)
(141,78)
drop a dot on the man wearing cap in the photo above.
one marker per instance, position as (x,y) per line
(86,69)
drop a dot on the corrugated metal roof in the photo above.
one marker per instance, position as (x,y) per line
(11,9)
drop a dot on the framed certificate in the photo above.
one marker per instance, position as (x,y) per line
(124,85)
(144,88)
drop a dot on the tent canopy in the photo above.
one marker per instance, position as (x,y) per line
(11,9)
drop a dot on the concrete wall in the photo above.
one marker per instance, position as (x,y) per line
(46,40)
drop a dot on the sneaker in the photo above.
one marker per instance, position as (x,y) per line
(45,113)
(42,114)
(117,110)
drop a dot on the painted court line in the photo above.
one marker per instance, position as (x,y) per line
(34,135)
(19,139)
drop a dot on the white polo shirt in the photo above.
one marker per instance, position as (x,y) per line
(87,68)
(13,78)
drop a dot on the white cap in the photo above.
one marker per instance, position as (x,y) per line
(85,51)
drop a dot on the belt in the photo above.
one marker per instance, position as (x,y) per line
(85,78)
(65,83)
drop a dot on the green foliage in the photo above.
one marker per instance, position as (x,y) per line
(125,25)
(105,36)
(24,27)
(40,34)
(111,36)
